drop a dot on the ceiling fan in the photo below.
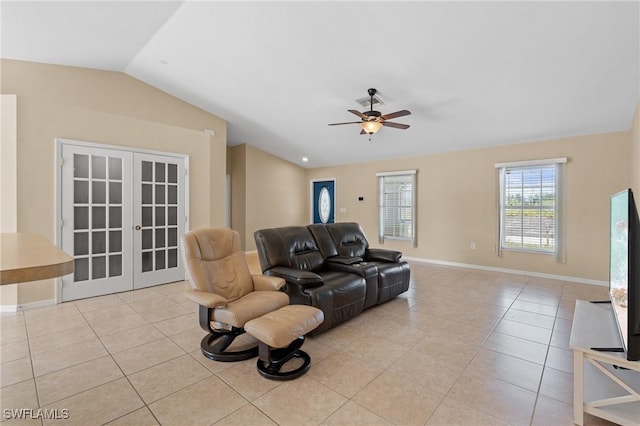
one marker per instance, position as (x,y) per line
(372,121)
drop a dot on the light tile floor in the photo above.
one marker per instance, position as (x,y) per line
(461,347)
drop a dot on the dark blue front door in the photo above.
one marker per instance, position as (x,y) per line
(323,200)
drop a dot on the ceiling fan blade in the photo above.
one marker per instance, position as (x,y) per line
(395,125)
(350,122)
(396,114)
(358,113)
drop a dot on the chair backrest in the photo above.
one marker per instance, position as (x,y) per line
(216,263)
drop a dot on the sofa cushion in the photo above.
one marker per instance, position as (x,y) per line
(302,249)
(291,246)
(323,239)
(349,239)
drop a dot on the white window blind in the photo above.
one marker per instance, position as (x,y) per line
(397,206)
(530,205)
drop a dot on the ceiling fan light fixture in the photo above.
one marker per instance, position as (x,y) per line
(371,126)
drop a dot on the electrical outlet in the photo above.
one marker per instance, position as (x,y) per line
(472,246)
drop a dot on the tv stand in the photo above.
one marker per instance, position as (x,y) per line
(605,383)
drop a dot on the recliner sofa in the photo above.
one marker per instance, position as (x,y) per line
(331,267)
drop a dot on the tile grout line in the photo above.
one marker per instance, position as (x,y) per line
(544,366)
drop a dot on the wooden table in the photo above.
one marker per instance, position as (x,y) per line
(31,257)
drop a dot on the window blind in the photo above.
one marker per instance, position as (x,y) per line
(529,208)
(397,206)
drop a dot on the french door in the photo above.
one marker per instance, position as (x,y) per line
(122,215)
(158,193)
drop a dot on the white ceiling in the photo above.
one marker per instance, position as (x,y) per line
(473,74)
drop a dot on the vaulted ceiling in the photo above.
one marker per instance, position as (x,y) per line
(473,74)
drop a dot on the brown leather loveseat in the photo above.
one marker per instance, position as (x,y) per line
(332,268)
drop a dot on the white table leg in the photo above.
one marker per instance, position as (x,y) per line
(578,387)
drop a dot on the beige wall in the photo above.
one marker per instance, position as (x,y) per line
(457,202)
(8,155)
(267,191)
(108,108)
(8,181)
(236,166)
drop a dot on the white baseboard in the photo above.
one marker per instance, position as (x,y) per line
(8,308)
(26,306)
(509,271)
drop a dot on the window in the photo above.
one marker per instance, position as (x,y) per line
(529,205)
(397,205)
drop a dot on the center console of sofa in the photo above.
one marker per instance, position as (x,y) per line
(331,267)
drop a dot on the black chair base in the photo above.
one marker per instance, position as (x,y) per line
(272,360)
(215,343)
(214,347)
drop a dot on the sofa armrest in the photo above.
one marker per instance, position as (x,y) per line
(203,298)
(297,276)
(344,260)
(265,283)
(364,269)
(383,255)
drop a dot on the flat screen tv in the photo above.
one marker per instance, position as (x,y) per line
(624,270)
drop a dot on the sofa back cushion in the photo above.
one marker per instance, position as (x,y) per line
(291,246)
(348,238)
(323,240)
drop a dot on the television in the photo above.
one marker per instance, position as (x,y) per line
(624,270)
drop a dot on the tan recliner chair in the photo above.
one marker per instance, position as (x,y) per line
(228,295)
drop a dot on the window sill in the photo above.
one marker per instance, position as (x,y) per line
(530,251)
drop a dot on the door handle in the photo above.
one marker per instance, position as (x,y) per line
(138,227)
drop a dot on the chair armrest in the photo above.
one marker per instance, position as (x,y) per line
(265,283)
(203,298)
(297,276)
(344,260)
(383,255)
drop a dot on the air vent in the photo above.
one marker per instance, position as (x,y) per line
(365,102)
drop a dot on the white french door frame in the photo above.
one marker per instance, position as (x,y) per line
(58,181)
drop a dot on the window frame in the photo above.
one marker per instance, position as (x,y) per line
(558,163)
(381,206)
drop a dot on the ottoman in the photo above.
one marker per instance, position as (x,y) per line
(281,334)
